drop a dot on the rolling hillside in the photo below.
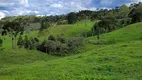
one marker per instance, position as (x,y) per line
(120,60)
(128,33)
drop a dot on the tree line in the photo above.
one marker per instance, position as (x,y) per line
(108,20)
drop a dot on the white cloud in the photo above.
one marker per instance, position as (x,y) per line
(137,0)
(93,9)
(24,2)
(56,5)
(36,12)
(133,1)
(2,15)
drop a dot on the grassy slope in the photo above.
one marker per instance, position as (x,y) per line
(68,30)
(119,61)
(131,32)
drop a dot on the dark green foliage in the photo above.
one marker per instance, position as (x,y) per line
(48,46)
(31,43)
(108,24)
(95,16)
(27,42)
(61,38)
(20,42)
(83,14)
(35,43)
(123,22)
(75,42)
(61,46)
(51,37)
(136,13)
(14,27)
(55,19)
(105,25)
(44,25)
(72,18)
(123,12)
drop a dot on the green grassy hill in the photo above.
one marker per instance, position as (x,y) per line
(131,32)
(121,60)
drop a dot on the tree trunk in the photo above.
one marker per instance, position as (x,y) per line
(98,34)
(85,28)
(13,45)
(98,37)
(46,50)
(93,31)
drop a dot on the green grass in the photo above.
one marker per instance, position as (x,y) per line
(121,60)
(68,30)
(131,32)
(22,56)
(120,63)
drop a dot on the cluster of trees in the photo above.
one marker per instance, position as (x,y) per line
(13,28)
(136,12)
(60,45)
(56,46)
(58,19)
(27,43)
(133,11)
(117,18)
(44,25)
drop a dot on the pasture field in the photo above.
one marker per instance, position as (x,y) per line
(119,57)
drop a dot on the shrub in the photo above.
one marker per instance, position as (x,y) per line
(20,42)
(61,38)
(75,42)
(31,43)
(51,37)
(35,43)
(48,46)
(27,43)
(61,46)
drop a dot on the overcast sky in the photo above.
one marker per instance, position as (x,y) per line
(55,7)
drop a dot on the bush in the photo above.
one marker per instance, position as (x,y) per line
(31,43)
(48,46)
(61,38)
(51,37)
(35,43)
(75,42)
(27,42)
(61,46)
(20,42)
